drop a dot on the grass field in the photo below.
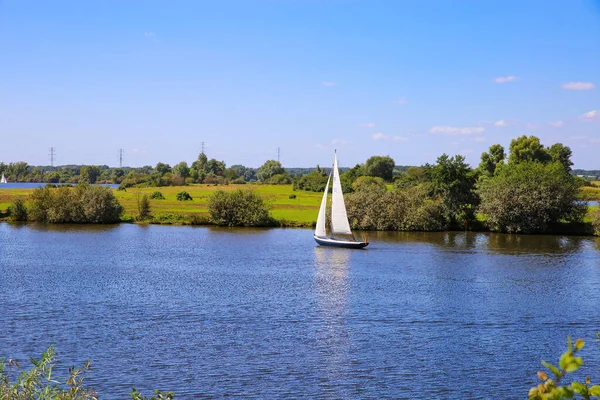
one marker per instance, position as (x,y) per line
(301,211)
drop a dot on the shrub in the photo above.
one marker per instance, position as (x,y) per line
(239,208)
(157,196)
(528,196)
(596,221)
(144,210)
(80,204)
(184,196)
(17,211)
(292,196)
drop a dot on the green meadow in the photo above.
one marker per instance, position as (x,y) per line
(299,211)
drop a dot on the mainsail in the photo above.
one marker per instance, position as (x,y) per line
(339,218)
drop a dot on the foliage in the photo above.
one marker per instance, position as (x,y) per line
(157,196)
(40,382)
(527,148)
(269,169)
(144,209)
(528,196)
(596,221)
(314,182)
(292,196)
(369,183)
(411,177)
(184,196)
(402,210)
(239,208)
(80,204)
(491,160)
(454,182)
(89,174)
(382,167)
(17,210)
(551,389)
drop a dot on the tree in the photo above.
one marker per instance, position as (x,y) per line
(89,173)
(529,196)
(453,180)
(269,169)
(144,210)
(527,148)
(182,170)
(214,166)
(562,154)
(490,161)
(382,167)
(162,168)
(200,163)
(369,183)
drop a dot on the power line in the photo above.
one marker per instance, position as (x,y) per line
(120,158)
(279,154)
(52,155)
(202,143)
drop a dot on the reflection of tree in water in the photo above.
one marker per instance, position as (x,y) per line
(597,243)
(331,294)
(536,244)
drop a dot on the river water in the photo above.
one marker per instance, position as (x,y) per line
(247,313)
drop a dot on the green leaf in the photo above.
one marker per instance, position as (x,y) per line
(567,392)
(552,368)
(579,343)
(595,390)
(579,388)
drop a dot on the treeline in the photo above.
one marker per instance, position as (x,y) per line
(532,190)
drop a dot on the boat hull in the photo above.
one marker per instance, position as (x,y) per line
(348,244)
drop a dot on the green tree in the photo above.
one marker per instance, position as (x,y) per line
(562,154)
(369,183)
(200,163)
(527,148)
(269,169)
(596,221)
(529,196)
(144,209)
(215,167)
(162,168)
(239,208)
(491,160)
(382,167)
(17,211)
(89,173)
(454,181)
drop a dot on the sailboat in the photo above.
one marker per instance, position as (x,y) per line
(3,180)
(339,217)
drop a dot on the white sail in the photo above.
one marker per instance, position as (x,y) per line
(339,218)
(320,229)
(3,180)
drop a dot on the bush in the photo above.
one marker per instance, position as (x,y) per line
(17,211)
(408,210)
(292,196)
(80,204)
(239,208)
(528,197)
(184,196)
(144,210)
(596,221)
(157,196)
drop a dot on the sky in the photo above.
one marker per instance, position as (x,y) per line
(251,80)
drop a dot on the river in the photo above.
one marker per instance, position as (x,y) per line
(265,313)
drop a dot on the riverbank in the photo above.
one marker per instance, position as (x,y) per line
(288,208)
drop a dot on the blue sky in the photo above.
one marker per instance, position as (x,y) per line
(408,79)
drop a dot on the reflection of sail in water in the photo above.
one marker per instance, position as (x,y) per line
(331,294)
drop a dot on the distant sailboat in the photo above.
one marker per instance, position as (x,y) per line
(3,180)
(339,217)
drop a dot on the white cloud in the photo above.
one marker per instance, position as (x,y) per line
(401,101)
(556,124)
(367,125)
(590,115)
(381,136)
(501,123)
(504,79)
(594,141)
(326,83)
(149,34)
(453,130)
(480,139)
(578,85)
(338,141)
